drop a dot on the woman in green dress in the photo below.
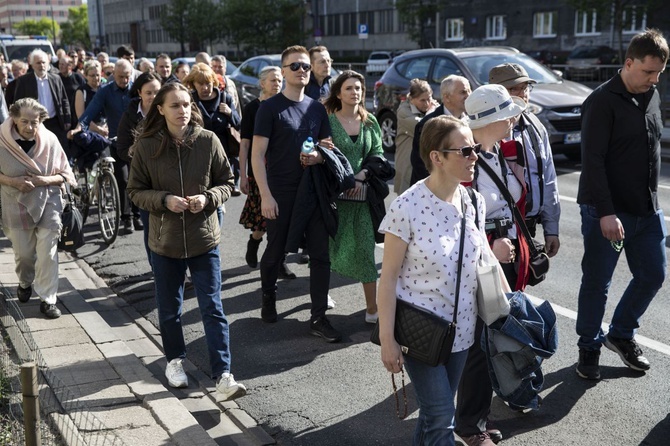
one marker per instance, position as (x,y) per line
(357,134)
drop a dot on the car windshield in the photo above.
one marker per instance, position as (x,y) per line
(21,52)
(480,65)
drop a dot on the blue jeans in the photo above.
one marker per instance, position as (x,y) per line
(169,277)
(644,245)
(435,388)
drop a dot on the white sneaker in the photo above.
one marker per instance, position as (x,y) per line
(175,374)
(228,389)
(331,303)
(371,318)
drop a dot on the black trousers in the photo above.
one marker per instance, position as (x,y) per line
(317,243)
(121,175)
(475,392)
(53,125)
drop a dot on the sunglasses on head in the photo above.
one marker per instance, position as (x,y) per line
(465,151)
(296,65)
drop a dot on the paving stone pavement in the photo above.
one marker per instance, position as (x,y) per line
(110,361)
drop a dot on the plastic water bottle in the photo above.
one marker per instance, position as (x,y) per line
(308,145)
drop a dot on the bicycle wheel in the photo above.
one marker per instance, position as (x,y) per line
(108,206)
(81,194)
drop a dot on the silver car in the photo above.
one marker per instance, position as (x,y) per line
(555,101)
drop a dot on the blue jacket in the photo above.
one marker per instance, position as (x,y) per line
(515,347)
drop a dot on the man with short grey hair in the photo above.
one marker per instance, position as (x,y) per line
(219,66)
(49,91)
(454,91)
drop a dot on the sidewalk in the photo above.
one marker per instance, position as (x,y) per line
(109,357)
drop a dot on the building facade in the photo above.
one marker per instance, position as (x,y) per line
(354,28)
(15,11)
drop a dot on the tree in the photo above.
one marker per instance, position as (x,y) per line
(204,22)
(75,30)
(42,27)
(174,22)
(417,15)
(264,25)
(616,12)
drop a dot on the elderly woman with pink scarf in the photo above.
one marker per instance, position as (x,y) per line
(33,167)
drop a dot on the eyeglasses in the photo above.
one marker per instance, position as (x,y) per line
(296,65)
(465,151)
(520,88)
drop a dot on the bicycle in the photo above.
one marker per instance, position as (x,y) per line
(97,186)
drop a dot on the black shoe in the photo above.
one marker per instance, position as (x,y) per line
(494,433)
(137,224)
(629,352)
(304,258)
(252,251)
(284,271)
(24,294)
(128,226)
(588,367)
(321,327)
(269,308)
(51,311)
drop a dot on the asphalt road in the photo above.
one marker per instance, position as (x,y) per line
(304,391)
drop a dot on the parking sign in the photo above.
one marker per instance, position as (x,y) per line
(362,31)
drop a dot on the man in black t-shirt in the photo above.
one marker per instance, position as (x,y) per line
(283,123)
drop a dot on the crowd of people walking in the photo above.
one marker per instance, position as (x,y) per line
(474,174)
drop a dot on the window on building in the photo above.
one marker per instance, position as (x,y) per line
(385,22)
(49,13)
(634,19)
(61,13)
(349,26)
(28,13)
(496,27)
(334,25)
(37,2)
(545,24)
(454,30)
(586,23)
(367,18)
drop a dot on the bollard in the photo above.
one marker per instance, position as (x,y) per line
(31,405)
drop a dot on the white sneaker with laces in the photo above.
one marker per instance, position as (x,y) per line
(331,303)
(174,372)
(228,389)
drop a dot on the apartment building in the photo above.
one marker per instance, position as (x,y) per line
(15,11)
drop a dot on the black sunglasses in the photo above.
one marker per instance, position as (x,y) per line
(295,65)
(465,151)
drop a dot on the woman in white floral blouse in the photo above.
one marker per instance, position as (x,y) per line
(421,250)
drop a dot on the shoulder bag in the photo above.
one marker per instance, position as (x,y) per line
(538,264)
(72,231)
(492,302)
(423,335)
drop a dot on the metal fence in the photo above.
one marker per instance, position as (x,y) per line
(64,419)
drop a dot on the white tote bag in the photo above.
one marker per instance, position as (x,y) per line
(492,301)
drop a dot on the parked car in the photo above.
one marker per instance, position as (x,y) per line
(582,62)
(246,75)
(230,67)
(379,61)
(555,101)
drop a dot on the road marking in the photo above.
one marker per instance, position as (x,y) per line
(570,314)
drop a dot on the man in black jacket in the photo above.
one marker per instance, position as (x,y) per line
(49,91)
(454,91)
(621,131)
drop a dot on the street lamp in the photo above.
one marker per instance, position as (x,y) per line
(53,23)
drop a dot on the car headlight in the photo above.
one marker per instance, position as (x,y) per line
(534,108)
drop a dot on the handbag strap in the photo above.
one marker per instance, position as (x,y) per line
(521,223)
(460,259)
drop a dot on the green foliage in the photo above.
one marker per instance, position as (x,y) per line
(75,30)
(416,14)
(42,27)
(266,26)
(194,22)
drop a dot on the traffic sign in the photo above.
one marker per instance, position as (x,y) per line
(362,31)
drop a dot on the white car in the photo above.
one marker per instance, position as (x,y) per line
(379,61)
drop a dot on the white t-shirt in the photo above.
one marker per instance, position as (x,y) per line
(431,228)
(496,205)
